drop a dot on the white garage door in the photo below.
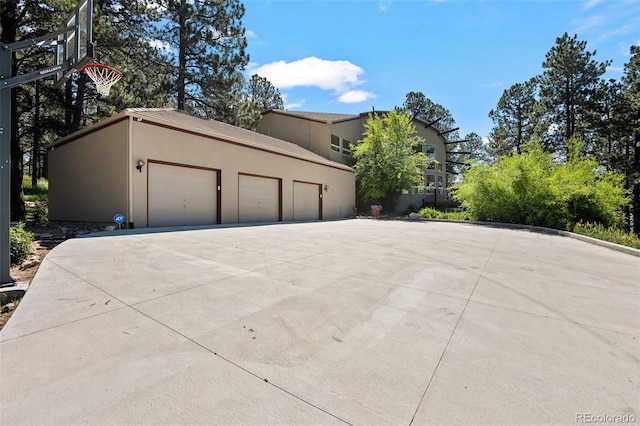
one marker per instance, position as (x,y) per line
(306,201)
(258,199)
(181,195)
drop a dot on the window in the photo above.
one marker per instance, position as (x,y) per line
(431,153)
(441,184)
(430,183)
(419,148)
(346,147)
(335,143)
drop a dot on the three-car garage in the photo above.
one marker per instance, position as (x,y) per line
(163,167)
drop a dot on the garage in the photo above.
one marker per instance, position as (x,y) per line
(259,199)
(180,195)
(307,201)
(164,167)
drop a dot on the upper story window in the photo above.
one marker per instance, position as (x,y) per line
(346,147)
(335,143)
(430,151)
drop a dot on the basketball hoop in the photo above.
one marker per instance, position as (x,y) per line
(103,76)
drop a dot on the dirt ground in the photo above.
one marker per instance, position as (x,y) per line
(46,236)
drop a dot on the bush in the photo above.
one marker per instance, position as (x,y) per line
(429,213)
(533,189)
(41,214)
(20,242)
(613,235)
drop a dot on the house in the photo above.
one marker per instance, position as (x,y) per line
(332,135)
(163,167)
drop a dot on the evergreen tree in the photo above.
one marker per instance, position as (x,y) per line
(570,78)
(263,95)
(417,105)
(23,20)
(515,119)
(205,43)
(631,81)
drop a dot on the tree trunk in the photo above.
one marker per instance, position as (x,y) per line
(182,59)
(35,156)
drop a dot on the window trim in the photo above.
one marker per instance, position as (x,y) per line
(335,147)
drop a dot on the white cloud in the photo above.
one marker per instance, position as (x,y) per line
(292,104)
(355,96)
(338,76)
(591,3)
(383,5)
(250,34)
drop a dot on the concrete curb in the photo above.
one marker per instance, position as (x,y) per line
(543,230)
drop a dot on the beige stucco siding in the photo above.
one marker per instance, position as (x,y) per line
(309,134)
(88,176)
(159,143)
(350,130)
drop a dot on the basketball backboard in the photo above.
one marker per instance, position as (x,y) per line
(74,44)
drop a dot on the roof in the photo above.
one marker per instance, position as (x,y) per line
(322,117)
(180,120)
(332,118)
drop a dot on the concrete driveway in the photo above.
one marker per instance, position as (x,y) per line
(351,322)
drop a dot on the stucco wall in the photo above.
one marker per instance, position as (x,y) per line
(88,176)
(153,142)
(311,135)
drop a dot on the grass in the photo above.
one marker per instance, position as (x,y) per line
(38,193)
(613,235)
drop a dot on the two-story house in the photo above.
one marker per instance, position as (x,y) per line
(332,136)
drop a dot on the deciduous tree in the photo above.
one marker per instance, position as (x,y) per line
(386,160)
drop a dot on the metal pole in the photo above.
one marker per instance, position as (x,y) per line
(5,169)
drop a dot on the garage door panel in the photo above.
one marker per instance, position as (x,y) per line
(258,199)
(306,201)
(181,195)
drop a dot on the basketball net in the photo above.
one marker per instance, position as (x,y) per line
(103,76)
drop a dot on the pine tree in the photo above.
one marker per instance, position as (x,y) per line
(570,78)
(631,81)
(515,119)
(205,44)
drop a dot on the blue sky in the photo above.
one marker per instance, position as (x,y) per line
(349,56)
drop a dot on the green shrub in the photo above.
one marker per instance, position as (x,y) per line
(613,235)
(20,242)
(534,189)
(429,213)
(41,214)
